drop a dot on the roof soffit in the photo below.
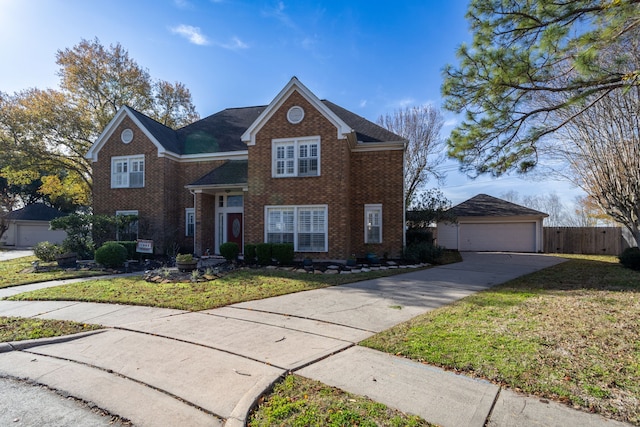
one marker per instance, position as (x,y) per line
(249,136)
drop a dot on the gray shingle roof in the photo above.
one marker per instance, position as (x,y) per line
(164,134)
(35,212)
(484,205)
(222,131)
(366,131)
(229,173)
(219,132)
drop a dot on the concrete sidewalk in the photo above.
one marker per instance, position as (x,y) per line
(171,367)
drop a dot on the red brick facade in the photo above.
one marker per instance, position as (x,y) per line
(351,176)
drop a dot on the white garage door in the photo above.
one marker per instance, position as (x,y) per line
(508,237)
(30,234)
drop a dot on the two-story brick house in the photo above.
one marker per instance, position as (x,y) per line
(298,170)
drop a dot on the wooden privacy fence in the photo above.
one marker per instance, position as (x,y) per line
(584,240)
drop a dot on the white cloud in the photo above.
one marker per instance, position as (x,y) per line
(182,4)
(363,103)
(279,13)
(406,102)
(234,44)
(193,34)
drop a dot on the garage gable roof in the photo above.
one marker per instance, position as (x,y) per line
(35,212)
(485,205)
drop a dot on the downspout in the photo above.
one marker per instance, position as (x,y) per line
(194,220)
(404,202)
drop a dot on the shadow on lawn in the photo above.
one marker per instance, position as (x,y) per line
(577,274)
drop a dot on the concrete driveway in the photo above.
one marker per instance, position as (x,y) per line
(171,367)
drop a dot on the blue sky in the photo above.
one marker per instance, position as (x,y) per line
(370,57)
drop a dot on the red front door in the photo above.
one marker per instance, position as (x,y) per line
(234,229)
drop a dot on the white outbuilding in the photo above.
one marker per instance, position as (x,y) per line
(30,225)
(486,223)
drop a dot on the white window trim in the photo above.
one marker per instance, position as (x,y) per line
(372,208)
(296,209)
(296,142)
(129,160)
(189,212)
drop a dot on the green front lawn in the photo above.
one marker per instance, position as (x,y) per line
(18,329)
(298,401)
(18,272)
(237,286)
(570,332)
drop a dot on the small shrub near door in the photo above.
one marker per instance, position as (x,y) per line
(263,252)
(230,251)
(630,258)
(111,255)
(249,253)
(283,253)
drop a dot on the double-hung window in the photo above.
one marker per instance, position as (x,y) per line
(127,225)
(304,226)
(296,157)
(280,225)
(190,221)
(127,172)
(373,223)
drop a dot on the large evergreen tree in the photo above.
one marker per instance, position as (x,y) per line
(528,61)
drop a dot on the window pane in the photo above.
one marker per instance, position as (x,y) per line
(234,201)
(373,225)
(136,180)
(303,167)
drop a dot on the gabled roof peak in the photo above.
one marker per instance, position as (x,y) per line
(485,205)
(294,84)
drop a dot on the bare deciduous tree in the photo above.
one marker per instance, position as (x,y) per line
(421,126)
(602,148)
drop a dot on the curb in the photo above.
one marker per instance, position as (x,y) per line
(6,347)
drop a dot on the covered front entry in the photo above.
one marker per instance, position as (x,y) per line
(230,220)
(235,229)
(219,207)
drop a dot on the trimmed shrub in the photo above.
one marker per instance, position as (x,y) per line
(130,246)
(249,253)
(423,252)
(630,258)
(283,253)
(111,255)
(47,251)
(263,252)
(230,251)
(419,235)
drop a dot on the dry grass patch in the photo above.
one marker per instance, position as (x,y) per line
(570,332)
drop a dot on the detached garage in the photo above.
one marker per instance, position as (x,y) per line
(30,225)
(486,223)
